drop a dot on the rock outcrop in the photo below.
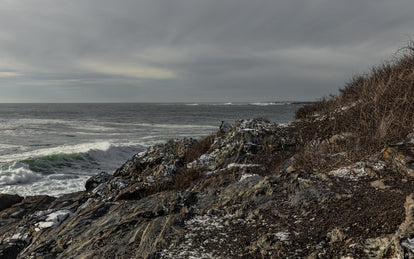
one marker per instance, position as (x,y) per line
(235,194)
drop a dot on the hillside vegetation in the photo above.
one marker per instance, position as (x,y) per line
(369,113)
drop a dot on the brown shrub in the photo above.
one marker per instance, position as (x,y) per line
(221,179)
(377,109)
(324,104)
(185,178)
(198,148)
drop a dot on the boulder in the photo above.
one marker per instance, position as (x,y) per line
(7,200)
(96,180)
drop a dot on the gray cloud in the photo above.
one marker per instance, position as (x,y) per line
(192,50)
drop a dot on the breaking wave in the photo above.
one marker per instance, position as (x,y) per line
(85,159)
(17,173)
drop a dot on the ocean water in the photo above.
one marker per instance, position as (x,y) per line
(54,148)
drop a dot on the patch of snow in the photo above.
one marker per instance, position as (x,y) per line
(347,107)
(320,117)
(141,154)
(380,165)
(216,140)
(54,219)
(21,236)
(352,172)
(120,183)
(148,159)
(83,206)
(408,243)
(44,212)
(150,179)
(170,169)
(232,165)
(229,216)
(204,157)
(212,172)
(99,188)
(282,236)
(205,160)
(189,165)
(206,222)
(245,176)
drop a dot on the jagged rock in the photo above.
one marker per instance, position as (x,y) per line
(224,127)
(11,250)
(96,180)
(7,200)
(28,205)
(236,194)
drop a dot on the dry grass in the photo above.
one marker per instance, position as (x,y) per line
(324,104)
(374,109)
(198,148)
(184,179)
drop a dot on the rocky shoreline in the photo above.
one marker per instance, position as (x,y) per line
(235,194)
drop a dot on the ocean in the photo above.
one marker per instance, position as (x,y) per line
(54,148)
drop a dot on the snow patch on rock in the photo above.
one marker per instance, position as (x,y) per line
(53,219)
(352,172)
(233,165)
(245,176)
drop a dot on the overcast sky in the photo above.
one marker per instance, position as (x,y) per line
(193,50)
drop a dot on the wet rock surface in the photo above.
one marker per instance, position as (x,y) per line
(235,194)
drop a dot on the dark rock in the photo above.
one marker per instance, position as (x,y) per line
(11,250)
(96,180)
(28,205)
(7,200)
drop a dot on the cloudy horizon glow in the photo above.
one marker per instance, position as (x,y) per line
(193,50)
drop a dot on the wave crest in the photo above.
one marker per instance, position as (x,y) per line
(17,173)
(269,103)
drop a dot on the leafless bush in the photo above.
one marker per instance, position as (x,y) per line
(185,178)
(198,148)
(377,109)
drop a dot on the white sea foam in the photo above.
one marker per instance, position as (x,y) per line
(224,104)
(175,126)
(31,121)
(7,146)
(268,103)
(65,149)
(87,126)
(56,174)
(46,185)
(15,174)
(115,126)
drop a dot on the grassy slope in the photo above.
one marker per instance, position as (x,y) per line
(370,112)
